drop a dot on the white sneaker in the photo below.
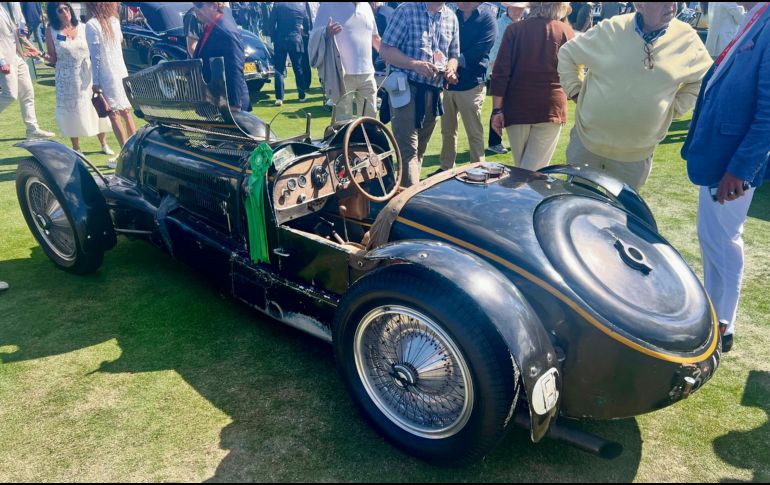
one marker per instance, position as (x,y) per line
(39,133)
(3,286)
(107,150)
(112,163)
(499,149)
(279,102)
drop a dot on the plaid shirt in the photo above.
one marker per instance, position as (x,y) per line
(418,34)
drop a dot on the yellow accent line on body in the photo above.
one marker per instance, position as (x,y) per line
(555,292)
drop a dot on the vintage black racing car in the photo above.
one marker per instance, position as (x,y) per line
(482,297)
(153,32)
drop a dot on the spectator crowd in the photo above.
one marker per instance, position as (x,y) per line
(630,69)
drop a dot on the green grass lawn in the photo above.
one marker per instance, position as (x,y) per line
(144,372)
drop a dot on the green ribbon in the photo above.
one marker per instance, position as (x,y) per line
(259,161)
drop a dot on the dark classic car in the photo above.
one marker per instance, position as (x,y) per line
(482,297)
(153,32)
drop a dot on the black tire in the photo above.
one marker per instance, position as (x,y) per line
(492,372)
(256,85)
(30,175)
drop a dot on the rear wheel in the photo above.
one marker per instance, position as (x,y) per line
(425,365)
(50,221)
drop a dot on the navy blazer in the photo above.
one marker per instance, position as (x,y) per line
(730,130)
(225,41)
(288,24)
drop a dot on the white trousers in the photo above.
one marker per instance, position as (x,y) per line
(18,85)
(365,88)
(720,231)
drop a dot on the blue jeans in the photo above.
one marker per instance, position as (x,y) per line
(35,30)
(279,63)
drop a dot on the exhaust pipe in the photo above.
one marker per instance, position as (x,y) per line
(591,443)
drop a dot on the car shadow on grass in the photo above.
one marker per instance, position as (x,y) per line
(292,419)
(8,168)
(749,449)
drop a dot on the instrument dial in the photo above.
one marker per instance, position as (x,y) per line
(291,184)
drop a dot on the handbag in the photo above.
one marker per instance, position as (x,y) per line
(100,103)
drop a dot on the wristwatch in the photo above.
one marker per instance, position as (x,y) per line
(497,111)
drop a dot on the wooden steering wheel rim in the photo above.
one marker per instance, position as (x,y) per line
(394,147)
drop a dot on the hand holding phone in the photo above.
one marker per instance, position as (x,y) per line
(714,191)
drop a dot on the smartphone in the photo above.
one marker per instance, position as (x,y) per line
(714,189)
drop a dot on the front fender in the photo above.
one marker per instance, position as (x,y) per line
(84,199)
(168,52)
(623,193)
(512,316)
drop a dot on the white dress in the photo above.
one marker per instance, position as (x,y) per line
(107,62)
(75,114)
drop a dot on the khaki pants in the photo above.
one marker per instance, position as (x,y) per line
(18,85)
(365,88)
(532,146)
(634,174)
(468,105)
(412,141)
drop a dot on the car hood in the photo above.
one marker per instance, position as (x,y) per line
(555,238)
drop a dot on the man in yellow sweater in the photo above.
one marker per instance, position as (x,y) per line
(642,70)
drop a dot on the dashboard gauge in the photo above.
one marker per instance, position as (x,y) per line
(339,167)
(302,181)
(291,184)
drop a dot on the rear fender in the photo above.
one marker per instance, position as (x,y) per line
(623,193)
(91,217)
(513,318)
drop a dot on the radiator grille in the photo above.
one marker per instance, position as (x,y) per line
(175,91)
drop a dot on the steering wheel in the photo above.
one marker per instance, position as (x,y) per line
(373,165)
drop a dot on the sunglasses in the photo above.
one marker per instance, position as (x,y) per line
(62,10)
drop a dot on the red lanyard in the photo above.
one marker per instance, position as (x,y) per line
(738,37)
(207,32)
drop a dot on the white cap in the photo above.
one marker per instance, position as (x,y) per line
(397,86)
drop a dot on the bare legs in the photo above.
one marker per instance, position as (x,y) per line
(102,141)
(121,133)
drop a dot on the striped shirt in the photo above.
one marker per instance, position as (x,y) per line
(418,34)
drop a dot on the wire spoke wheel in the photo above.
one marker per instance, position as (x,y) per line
(413,372)
(50,220)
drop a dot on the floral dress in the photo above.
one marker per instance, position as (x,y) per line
(75,114)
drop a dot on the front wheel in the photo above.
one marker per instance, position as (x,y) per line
(425,365)
(48,217)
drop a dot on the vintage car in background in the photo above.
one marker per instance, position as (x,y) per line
(481,297)
(153,32)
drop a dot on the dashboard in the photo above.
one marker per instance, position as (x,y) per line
(304,187)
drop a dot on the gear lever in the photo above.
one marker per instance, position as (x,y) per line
(326,230)
(344,213)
